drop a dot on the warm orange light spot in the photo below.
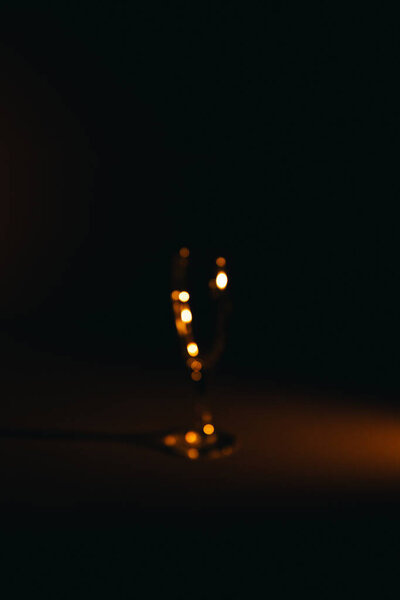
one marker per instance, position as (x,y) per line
(196,376)
(192,349)
(196,365)
(193,453)
(191,437)
(206,416)
(186,315)
(220,262)
(175,295)
(184,296)
(221,280)
(184,252)
(208,429)
(170,440)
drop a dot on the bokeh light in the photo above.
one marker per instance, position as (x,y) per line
(193,453)
(196,365)
(191,437)
(184,252)
(208,429)
(170,440)
(221,280)
(192,349)
(196,376)
(186,315)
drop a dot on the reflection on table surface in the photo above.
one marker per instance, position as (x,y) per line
(81,436)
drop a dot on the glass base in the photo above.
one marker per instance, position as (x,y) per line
(195,444)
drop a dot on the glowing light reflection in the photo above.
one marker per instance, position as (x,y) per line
(184,252)
(192,349)
(196,376)
(221,280)
(208,429)
(196,365)
(191,437)
(186,315)
(170,440)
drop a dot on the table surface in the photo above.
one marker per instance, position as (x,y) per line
(308,500)
(74,437)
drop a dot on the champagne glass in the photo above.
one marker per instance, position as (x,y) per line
(202,439)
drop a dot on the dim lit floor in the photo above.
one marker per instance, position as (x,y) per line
(314,475)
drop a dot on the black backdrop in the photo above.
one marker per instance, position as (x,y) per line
(263,134)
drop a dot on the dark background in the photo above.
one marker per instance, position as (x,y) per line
(264,133)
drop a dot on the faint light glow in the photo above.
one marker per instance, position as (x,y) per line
(191,437)
(211,284)
(193,453)
(175,295)
(196,365)
(196,376)
(170,440)
(227,450)
(184,296)
(181,327)
(192,349)
(220,262)
(184,252)
(206,416)
(208,429)
(186,315)
(221,280)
